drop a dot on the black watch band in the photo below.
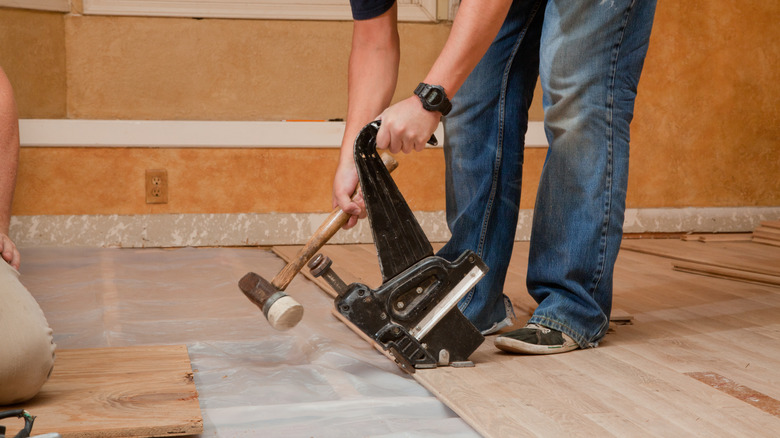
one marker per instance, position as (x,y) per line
(433,98)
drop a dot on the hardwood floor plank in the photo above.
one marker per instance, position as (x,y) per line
(119,391)
(635,382)
(725,273)
(696,407)
(747,256)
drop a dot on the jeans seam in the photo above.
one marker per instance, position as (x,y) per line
(500,140)
(480,250)
(501,120)
(610,145)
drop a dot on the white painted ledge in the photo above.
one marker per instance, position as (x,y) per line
(251,229)
(40,5)
(199,134)
(408,10)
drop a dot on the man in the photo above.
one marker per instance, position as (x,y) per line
(588,56)
(26,345)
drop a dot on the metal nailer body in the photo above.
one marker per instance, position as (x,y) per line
(414,313)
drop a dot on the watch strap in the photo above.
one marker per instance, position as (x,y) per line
(433,98)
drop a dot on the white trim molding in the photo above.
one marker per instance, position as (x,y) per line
(254,229)
(40,5)
(200,134)
(408,10)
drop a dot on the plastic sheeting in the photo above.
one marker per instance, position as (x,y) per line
(318,379)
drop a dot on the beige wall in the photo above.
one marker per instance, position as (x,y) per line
(705,132)
(32,53)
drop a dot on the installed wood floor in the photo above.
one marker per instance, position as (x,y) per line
(700,357)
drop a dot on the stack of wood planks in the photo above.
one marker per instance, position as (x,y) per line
(735,258)
(768,233)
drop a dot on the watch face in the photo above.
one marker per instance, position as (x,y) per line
(434,97)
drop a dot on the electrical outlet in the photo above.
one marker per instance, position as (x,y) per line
(156,186)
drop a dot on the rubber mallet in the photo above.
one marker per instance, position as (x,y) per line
(282,311)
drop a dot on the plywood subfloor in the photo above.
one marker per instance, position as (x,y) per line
(699,359)
(118,392)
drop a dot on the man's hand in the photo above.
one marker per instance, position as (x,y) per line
(9,252)
(344,184)
(406,126)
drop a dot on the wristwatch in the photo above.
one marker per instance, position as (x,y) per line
(433,98)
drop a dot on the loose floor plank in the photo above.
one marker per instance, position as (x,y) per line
(717,237)
(745,256)
(118,392)
(726,273)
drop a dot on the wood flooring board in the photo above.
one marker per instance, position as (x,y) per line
(358,262)
(725,273)
(695,354)
(622,426)
(768,242)
(715,237)
(119,392)
(747,256)
(699,409)
(680,400)
(767,232)
(741,392)
(744,355)
(634,383)
(500,397)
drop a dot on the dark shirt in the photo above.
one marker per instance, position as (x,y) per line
(365,9)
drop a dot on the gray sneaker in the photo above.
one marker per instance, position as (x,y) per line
(535,339)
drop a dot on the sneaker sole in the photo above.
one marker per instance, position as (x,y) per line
(513,346)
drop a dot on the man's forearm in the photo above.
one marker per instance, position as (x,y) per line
(9,150)
(474,29)
(373,73)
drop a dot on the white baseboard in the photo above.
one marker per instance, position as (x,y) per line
(250,229)
(40,5)
(408,10)
(200,134)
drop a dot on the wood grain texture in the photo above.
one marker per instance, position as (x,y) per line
(768,233)
(729,274)
(716,237)
(119,392)
(746,256)
(640,381)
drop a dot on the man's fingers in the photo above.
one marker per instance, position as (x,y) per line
(383,138)
(350,223)
(8,251)
(16,260)
(5,248)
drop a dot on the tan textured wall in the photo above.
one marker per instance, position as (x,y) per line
(707,127)
(32,53)
(705,134)
(111,181)
(179,68)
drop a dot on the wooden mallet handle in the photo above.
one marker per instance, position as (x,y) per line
(325,232)
(280,309)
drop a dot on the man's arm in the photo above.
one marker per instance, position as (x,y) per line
(9,159)
(373,72)
(407,126)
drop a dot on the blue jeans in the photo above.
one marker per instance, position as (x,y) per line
(588,56)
